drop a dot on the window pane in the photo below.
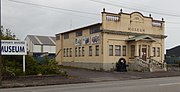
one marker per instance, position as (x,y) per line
(154,51)
(79,51)
(64,52)
(76,51)
(66,35)
(67,52)
(83,51)
(90,50)
(79,33)
(158,52)
(110,50)
(117,50)
(132,50)
(97,50)
(124,50)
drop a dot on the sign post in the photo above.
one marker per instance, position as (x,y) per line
(14,47)
(24,64)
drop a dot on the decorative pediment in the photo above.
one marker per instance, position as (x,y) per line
(141,37)
(137,17)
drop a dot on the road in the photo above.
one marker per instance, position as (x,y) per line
(167,84)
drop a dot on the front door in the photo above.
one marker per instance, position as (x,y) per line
(144,53)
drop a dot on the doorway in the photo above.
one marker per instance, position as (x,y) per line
(144,54)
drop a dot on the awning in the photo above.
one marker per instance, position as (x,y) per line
(142,38)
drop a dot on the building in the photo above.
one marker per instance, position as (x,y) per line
(173,55)
(38,46)
(121,39)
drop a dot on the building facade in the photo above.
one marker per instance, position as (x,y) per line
(126,39)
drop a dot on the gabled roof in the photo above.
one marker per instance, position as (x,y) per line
(141,37)
(42,40)
(173,51)
(81,28)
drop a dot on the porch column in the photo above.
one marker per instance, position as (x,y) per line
(136,50)
(150,49)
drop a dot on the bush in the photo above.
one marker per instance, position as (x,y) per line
(14,67)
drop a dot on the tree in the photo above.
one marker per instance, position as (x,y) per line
(5,34)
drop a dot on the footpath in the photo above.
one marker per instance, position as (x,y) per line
(81,76)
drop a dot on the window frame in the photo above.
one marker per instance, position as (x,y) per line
(110,50)
(118,50)
(97,50)
(90,50)
(124,50)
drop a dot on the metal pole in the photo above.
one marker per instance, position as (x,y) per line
(1,66)
(24,64)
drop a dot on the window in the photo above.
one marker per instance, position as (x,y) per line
(83,51)
(66,35)
(97,50)
(110,50)
(76,52)
(94,30)
(158,52)
(79,33)
(132,50)
(117,50)
(57,36)
(124,50)
(70,52)
(67,52)
(64,52)
(154,51)
(79,51)
(139,50)
(90,50)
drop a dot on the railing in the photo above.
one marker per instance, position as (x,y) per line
(142,63)
(156,64)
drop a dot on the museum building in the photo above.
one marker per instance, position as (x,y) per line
(121,41)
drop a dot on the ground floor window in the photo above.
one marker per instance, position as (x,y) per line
(139,50)
(132,50)
(97,50)
(90,50)
(79,51)
(158,52)
(70,52)
(67,52)
(154,51)
(110,50)
(124,50)
(76,51)
(83,51)
(117,50)
(64,52)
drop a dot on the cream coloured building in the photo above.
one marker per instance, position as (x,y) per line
(121,39)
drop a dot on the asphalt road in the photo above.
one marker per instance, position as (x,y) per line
(167,84)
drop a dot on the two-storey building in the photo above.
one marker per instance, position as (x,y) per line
(121,39)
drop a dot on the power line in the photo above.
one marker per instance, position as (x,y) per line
(160,13)
(75,11)
(150,8)
(57,8)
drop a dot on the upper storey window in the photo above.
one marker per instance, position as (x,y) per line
(79,33)
(66,35)
(94,30)
(57,36)
(156,24)
(112,18)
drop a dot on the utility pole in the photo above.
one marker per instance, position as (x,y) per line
(0,56)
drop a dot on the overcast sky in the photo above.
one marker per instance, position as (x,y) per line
(26,19)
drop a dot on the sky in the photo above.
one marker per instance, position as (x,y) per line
(49,17)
